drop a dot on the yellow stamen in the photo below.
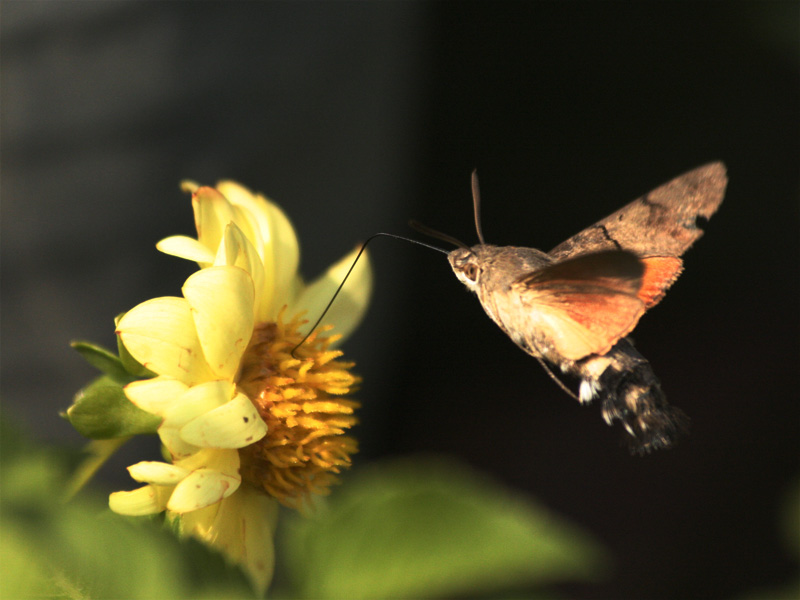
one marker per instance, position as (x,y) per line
(305,445)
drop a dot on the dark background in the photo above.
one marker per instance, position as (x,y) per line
(356,117)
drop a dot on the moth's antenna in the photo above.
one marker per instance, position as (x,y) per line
(350,270)
(476,204)
(424,229)
(556,379)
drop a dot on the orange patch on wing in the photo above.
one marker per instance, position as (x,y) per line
(660,272)
(592,323)
(585,304)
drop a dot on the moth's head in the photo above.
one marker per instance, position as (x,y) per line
(467,267)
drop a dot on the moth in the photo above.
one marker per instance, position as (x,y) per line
(572,307)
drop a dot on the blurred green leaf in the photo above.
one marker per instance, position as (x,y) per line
(96,453)
(103,360)
(101,410)
(432,528)
(24,575)
(790,519)
(80,550)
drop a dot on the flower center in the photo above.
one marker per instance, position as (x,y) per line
(305,445)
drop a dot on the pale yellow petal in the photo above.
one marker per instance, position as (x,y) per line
(187,185)
(250,228)
(200,522)
(221,299)
(237,250)
(200,489)
(160,473)
(173,442)
(198,400)
(188,248)
(228,249)
(223,460)
(350,305)
(146,500)
(234,425)
(256,208)
(160,333)
(279,251)
(244,529)
(286,253)
(212,213)
(240,196)
(235,192)
(155,395)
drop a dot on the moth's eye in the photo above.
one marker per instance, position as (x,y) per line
(471,272)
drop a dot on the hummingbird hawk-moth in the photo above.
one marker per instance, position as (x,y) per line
(573,307)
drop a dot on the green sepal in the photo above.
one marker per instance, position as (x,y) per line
(103,360)
(131,365)
(102,411)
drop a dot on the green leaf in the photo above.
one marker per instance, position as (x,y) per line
(131,365)
(433,528)
(101,410)
(24,574)
(97,452)
(790,519)
(103,360)
(79,550)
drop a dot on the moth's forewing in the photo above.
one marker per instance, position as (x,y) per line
(624,268)
(580,306)
(660,223)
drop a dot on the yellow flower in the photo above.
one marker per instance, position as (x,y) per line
(245,423)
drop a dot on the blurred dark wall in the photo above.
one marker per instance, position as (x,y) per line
(358,116)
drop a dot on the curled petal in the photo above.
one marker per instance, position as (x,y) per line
(151,471)
(173,442)
(160,333)
(247,222)
(237,250)
(188,248)
(198,400)
(212,213)
(244,201)
(146,500)
(200,489)
(155,395)
(350,305)
(234,425)
(221,301)
(256,208)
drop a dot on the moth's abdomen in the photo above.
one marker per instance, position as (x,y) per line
(630,392)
